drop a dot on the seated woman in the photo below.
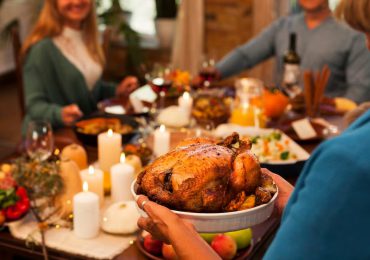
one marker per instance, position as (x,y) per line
(327,214)
(63,64)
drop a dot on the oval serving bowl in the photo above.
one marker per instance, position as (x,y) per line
(92,139)
(225,221)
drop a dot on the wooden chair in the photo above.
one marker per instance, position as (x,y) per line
(17,45)
(107,35)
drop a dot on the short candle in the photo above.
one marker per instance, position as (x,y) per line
(86,214)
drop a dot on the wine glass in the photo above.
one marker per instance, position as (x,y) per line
(39,140)
(208,72)
(160,81)
(201,128)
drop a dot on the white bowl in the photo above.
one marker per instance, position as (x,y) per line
(223,222)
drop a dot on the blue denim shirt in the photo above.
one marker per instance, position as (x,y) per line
(328,214)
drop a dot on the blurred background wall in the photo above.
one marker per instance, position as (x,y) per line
(203,29)
(22,11)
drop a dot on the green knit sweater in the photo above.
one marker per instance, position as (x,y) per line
(51,81)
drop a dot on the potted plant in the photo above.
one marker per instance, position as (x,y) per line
(165,21)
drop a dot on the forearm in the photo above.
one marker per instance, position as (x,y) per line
(232,64)
(45,111)
(358,93)
(188,244)
(250,54)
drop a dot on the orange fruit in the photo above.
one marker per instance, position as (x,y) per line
(275,102)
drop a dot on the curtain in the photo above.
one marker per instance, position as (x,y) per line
(188,45)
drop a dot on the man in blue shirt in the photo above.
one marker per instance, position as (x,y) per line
(320,40)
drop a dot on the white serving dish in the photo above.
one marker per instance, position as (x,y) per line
(227,129)
(223,222)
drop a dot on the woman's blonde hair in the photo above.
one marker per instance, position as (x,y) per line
(50,24)
(356,13)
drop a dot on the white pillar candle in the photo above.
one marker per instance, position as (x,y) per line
(161,141)
(86,214)
(95,179)
(122,175)
(109,150)
(186,103)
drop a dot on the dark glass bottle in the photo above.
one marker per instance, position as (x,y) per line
(291,76)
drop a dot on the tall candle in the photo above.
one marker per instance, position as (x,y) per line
(161,141)
(122,175)
(86,214)
(95,179)
(186,103)
(109,150)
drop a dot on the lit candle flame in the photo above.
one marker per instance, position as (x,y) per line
(198,133)
(56,152)
(122,158)
(245,105)
(186,95)
(110,132)
(91,169)
(85,186)
(162,128)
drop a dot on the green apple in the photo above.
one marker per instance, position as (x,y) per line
(208,237)
(242,237)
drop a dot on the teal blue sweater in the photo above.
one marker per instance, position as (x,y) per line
(51,81)
(328,214)
(332,43)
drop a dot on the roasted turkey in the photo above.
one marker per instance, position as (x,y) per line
(201,175)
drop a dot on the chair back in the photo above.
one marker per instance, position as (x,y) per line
(17,45)
(107,35)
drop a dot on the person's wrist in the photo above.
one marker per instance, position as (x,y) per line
(178,229)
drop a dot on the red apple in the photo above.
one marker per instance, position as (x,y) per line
(224,246)
(152,245)
(168,252)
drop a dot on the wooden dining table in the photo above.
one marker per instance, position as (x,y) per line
(263,234)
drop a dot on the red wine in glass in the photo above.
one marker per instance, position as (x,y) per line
(160,85)
(208,75)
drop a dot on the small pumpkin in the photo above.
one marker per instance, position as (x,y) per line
(275,102)
(135,162)
(77,154)
(72,185)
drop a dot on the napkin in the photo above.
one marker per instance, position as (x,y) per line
(145,93)
(173,116)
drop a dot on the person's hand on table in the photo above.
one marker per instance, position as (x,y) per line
(165,225)
(285,190)
(127,85)
(70,114)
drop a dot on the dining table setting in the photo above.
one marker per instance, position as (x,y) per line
(69,193)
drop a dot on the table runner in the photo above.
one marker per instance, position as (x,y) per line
(105,246)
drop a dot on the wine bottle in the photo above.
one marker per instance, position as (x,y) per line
(291,76)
